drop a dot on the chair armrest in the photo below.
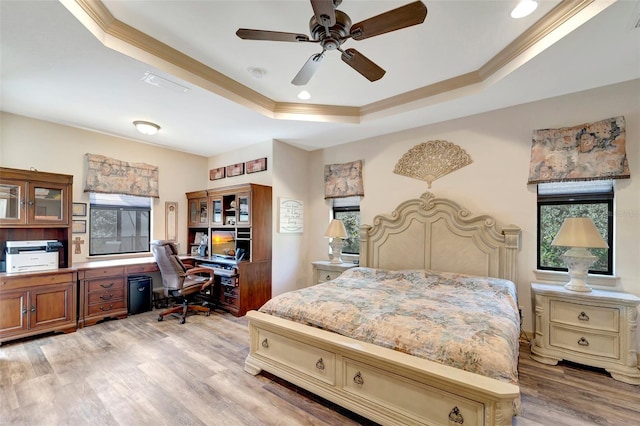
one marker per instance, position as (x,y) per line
(201,270)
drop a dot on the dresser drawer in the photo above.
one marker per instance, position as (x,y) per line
(103,296)
(324,275)
(312,361)
(106,307)
(584,316)
(103,272)
(585,342)
(105,284)
(410,397)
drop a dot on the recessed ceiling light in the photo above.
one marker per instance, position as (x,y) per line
(146,127)
(256,73)
(304,95)
(524,8)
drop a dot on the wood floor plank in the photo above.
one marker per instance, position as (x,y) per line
(139,371)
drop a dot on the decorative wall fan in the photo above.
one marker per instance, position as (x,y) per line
(331,27)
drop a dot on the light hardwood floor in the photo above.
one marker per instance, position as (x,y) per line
(138,371)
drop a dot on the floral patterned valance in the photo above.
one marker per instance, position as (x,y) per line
(343,180)
(110,176)
(585,152)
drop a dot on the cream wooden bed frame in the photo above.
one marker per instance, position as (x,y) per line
(381,384)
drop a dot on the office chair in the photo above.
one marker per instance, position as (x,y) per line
(179,281)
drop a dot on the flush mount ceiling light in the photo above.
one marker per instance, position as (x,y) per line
(146,127)
(524,8)
(304,95)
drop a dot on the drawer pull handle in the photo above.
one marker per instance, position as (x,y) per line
(24,311)
(33,308)
(358,380)
(328,278)
(106,309)
(106,296)
(583,342)
(455,416)
(320,364)
(583,316)
(106,285)
(265,344)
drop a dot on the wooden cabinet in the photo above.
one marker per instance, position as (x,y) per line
(239,234)
(36,206)
(198,209)
(103,294)
(37,303)
(596,328)
(324,270)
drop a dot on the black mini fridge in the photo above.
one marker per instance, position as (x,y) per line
(140,293)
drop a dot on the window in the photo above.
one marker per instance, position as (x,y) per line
(348,210)
(557,201)
(119,224)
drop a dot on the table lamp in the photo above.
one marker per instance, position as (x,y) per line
(337,232)
(578,233)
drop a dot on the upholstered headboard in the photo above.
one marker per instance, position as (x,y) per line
(436,233)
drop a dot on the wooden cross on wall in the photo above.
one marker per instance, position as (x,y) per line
(76,244)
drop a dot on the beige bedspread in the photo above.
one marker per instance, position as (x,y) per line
(464,321)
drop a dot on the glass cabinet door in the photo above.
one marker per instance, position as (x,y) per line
(204,217)
(47,204)
(194,212)
(216,211)
(244,215)
(12,203)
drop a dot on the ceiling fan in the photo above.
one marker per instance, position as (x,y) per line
(331,27)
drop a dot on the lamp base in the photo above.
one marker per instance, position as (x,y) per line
(336,245)
(578,261)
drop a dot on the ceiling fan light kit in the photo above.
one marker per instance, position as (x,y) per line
(331,27)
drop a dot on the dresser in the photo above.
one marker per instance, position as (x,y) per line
(596,329)
(324,270)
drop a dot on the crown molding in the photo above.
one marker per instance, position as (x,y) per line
(114,34)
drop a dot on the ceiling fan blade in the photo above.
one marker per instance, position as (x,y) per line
(247,34)
(362,64)
(325,12)
(402,17)
(308,69)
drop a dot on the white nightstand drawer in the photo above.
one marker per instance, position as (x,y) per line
(585,316)
(597,344)
(324,276)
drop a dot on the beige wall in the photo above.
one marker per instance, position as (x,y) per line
(499,144)
(49,147)
(495,183)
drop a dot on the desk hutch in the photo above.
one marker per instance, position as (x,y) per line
(237,222)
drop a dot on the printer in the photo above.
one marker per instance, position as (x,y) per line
(31,256)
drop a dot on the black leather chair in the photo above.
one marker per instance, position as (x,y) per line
(180,282)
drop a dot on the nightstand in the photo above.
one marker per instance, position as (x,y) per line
(324,270)
(596,328)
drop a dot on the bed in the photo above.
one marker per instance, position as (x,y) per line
(429,243)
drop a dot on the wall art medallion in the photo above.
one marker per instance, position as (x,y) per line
(432,160)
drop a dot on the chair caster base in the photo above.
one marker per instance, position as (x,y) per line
(160,318)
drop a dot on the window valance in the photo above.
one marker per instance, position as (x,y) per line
(585,152)
(111,176)
(343,180)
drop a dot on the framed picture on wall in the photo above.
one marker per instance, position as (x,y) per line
(235,170)
(79,227)
(215,174)
(79,209)
(258,165)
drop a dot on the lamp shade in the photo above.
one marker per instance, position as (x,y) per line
(579,232)
(336,229)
